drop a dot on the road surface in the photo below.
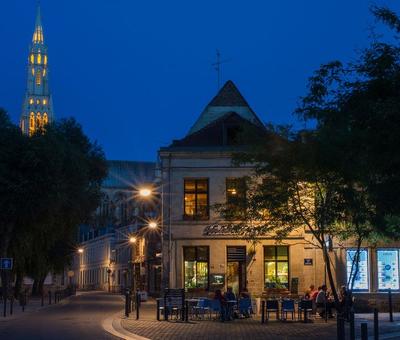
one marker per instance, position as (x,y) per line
(79,318)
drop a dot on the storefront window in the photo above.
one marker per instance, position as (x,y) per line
(276,266)
(388,269)
(196,267)
(361,280)
(196,199)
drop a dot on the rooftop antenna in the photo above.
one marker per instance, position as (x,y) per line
(217,67)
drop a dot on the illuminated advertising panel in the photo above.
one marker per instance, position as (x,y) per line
(361,281)
(388,269)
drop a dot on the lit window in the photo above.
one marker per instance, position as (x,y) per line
(31,101)
(196,260)
(361,282)
(276,266)
(38,78)
(45,118)
(32,58)
(44,101)
(32,123)
(38,120)
(37,101)
(45,59)
(39,58)
(196,199)
(44,72)
(388,269)
(33,71)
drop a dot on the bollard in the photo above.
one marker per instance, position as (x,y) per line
(11,304)
(376,324)
(352,326)
(364,331)
(49,297)
(42,302)
(137,305)
(263,311)
(340,327)
(127,304)
(4,306)
(158,309)
(390,306)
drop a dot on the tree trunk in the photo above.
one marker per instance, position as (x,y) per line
(41,282)
(18,283)
(35,286)
(330,278)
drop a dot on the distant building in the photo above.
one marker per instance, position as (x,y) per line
(109,259)
(37,108)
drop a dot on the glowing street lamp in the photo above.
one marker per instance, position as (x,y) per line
(153,225)
(132,239)
(145,192)
(80,250)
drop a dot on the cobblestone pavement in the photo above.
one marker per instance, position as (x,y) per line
(249,329)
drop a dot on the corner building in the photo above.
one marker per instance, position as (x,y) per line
(199,251)
(201,254)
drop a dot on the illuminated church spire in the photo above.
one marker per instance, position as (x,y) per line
(37,109)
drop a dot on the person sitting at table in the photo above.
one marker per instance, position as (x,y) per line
(229,294)
(323,302)
(245,294)
(309,292)
(218,296)
(314,295)
(231,300)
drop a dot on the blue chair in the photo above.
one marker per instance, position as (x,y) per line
(272,306)
(202,307)
(287,307)
(215,307)
(305,308)
(245,307)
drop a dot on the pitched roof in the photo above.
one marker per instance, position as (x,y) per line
(228,99)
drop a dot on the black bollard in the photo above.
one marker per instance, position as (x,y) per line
(42,302)
(158,309)
(390,306)
(376,324)
(352,327)
(127,304)
(137,305)
(11,304)
(49,297)
(262,311)
(364,331)
(340,327)
(4,306)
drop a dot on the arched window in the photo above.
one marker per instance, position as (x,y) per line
(38,78)
(44,101)
(45,118)
(33,71)
(32,58)
(44,72)
(38,120)
(31,123)
(39,58)
(31,101)
(45,59)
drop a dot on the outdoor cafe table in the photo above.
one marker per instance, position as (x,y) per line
(190,304)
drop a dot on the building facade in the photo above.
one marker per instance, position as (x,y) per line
(37,107)
(200,250)
(108,258)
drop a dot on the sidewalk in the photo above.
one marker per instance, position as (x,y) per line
(252,328)
(148,327)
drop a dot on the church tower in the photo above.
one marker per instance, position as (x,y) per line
(37,109)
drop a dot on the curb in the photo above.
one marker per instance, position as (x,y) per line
(113,326)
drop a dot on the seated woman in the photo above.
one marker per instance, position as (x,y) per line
(219,297)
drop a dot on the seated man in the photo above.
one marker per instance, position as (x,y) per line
(322,302)
(229,297)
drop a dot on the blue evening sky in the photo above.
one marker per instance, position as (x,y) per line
(136,74)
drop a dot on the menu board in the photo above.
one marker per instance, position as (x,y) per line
(388,269)
(361,282)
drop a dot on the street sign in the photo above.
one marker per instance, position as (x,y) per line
(308,262)
(6,263)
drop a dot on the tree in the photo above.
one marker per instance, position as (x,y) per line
(50,183)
